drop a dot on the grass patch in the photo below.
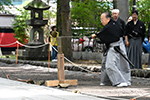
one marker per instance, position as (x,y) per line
(9,56)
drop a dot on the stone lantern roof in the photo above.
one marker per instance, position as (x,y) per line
(36,7)
(37,4)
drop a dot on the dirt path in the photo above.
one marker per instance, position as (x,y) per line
(87,83)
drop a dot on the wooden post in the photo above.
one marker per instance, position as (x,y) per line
(60,66)
(61,69)
(49,54)
(17,53)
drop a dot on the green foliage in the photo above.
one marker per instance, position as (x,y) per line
(87,14)
(20,26)
(48,15)
(22,30)
(143,7)
(6,3)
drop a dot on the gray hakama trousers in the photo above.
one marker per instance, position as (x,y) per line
(149,61)
(134,52)
(115,69)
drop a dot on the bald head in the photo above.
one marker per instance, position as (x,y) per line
(105,18)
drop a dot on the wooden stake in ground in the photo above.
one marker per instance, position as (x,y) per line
(61,72)
(49,57)
(17,53)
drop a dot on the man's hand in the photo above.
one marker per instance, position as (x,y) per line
(127,43)
(93,35)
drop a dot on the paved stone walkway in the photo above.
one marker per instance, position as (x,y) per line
(14,90)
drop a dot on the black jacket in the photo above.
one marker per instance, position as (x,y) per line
(121,23)
(149,30)
(110,33)
(137,30)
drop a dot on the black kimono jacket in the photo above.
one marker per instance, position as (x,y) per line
(148,30)
(136,30)
(121,23)
(110,33)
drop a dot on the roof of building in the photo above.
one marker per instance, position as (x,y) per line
(6,20)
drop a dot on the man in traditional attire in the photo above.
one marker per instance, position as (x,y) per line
(112,73)
(149,43)
(135,34)
(115,15)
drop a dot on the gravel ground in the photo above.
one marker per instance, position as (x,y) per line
(87,83)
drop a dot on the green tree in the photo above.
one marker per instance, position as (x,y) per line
(87,14)
(21,29)
(5,3)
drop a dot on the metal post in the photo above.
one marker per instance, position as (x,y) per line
(134,5)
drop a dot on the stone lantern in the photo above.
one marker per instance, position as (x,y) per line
(36,21)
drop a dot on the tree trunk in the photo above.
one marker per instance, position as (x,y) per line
(59,17)
(64,27)
(123,6)
(115,4)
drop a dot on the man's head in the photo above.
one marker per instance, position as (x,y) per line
(134,15)
(105,18)
(115,14)
(54,28)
